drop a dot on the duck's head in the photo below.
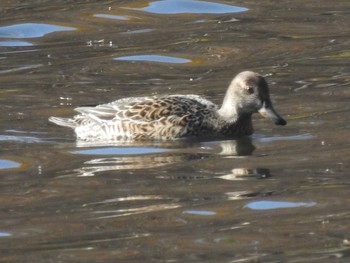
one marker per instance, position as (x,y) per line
(248,93)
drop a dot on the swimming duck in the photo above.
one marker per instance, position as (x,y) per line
(176,116)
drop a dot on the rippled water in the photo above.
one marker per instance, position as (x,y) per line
(30,30)
(154,58)
(281,195)
(188,7)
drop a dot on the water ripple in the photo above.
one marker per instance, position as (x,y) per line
(199,212)
(267,205)
(30,30)
(188,7)
(24,139)
(299,137)
(5,234)
(15,44)
(154,58)
(115,17)
(133,211)
(120,151)
(7,164)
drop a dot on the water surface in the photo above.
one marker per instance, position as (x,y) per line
(30,30)
(154,58)
(281,195)
(8,164)
(189,6)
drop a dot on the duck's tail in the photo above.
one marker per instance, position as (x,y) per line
(66,122)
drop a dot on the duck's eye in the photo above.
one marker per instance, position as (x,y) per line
(250,90)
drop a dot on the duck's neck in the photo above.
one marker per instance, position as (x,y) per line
(239,126)
(228,111)
(234,122)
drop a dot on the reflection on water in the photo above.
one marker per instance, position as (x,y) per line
(23,138)
(246,174)
(199,212)
(26,30)
(239,147)
(154,58)
(300,137)
(98,165)
(136,157)
(116,17)
(94,166)
(22,68)
(139,31)
(107,214)
(240,195)
(4,234)
(7,164)
(189,6)
(30,30)
(15,44)
(267,205)
(121,151)
(102,210)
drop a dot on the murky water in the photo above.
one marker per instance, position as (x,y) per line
(282,195)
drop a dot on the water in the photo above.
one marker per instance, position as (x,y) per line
(7,164)
(266,205)
(189,7)
(281,195)
(30,30)
(154,58)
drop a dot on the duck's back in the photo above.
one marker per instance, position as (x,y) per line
(167,117)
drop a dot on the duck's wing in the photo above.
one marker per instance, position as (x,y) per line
(146,109)
(98,114)
(113,109)
(167,117)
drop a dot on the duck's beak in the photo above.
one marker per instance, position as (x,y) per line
(267,111)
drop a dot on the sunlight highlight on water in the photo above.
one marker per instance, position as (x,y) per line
(299,137)
(199,212)
(154,58)
(120,151)
(30,30)
(6,164)
(5,234)
(267,205)
(189,7)
(15,44)
(115,17)
(138,31)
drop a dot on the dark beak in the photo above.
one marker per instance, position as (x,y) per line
(267,111)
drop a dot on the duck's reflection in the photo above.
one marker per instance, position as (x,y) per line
(244,174)
(239,174)
(108,213)
(94,166)
(132,156)
(240,147)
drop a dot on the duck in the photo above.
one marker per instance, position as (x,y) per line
(171,117)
